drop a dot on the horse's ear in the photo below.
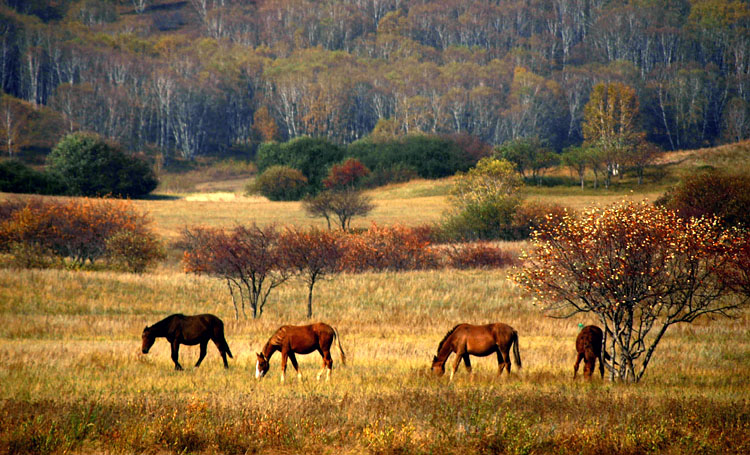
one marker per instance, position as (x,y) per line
(434,359)
(259,354)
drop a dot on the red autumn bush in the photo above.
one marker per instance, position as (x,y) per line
(478,255)
(388,248)
(79,230)
(345,175)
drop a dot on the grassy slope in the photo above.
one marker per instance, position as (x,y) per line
(74,380)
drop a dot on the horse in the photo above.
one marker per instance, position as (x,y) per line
(477,340)
(589,348)
(189,330)
(291,340)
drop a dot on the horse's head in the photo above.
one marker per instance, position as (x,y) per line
(147,340)
(438,367)
(261,366)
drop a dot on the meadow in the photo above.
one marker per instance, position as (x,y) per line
(74,380)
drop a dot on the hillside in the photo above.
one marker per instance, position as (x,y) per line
(179,79)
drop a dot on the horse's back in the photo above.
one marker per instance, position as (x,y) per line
(590,337)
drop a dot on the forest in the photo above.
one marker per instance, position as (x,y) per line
(178,79)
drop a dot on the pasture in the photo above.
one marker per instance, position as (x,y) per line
(74,380)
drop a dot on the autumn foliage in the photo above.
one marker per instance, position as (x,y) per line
(80,231)
(388,248)
(247,258)
(255,260)
(639,269)
(345,175)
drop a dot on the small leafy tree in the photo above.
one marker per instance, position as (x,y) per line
(485,199)
(611,124)
(576,159)
(248,258)
(313,254)
(342,205)
(640,269)
(89,166)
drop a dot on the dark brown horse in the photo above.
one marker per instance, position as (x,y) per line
(291,340)
(589,348)
(478,340)
(189,330)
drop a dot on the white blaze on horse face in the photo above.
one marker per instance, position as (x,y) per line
(258,374)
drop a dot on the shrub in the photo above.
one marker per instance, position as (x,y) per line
(711,193)
(311,156)
(346,175)
(279,183)
(533,216)
(430,156)
(478,255)
(78,230)
(388,248)
(398,173)
(88,166)
(486,220)
(133,251)
(16,177)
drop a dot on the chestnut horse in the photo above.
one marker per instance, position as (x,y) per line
(589,348)
(291,340)
(189,330)
(478,340)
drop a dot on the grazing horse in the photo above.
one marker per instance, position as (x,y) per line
(589,348)
(291,340)
(189,330)
(478,340)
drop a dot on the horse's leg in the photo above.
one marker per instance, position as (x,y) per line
(459,357)
(578,362)
(328,363)
(293,358)
(284,356)
(204,345)
(467,363)
(176,354)
(506,360)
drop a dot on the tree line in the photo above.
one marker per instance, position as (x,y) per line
(221,76)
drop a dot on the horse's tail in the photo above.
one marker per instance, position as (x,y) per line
(338,341)
(225,347)
(222,341)
(516,352)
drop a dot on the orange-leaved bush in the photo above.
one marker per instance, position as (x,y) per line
(389,248)
(82,230)
(639,269)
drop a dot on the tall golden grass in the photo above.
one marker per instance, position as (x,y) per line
(74,380)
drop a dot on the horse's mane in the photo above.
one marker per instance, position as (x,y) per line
(447,335)
(167,320)
(276,339)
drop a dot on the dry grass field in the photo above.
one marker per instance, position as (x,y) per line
(74,380)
